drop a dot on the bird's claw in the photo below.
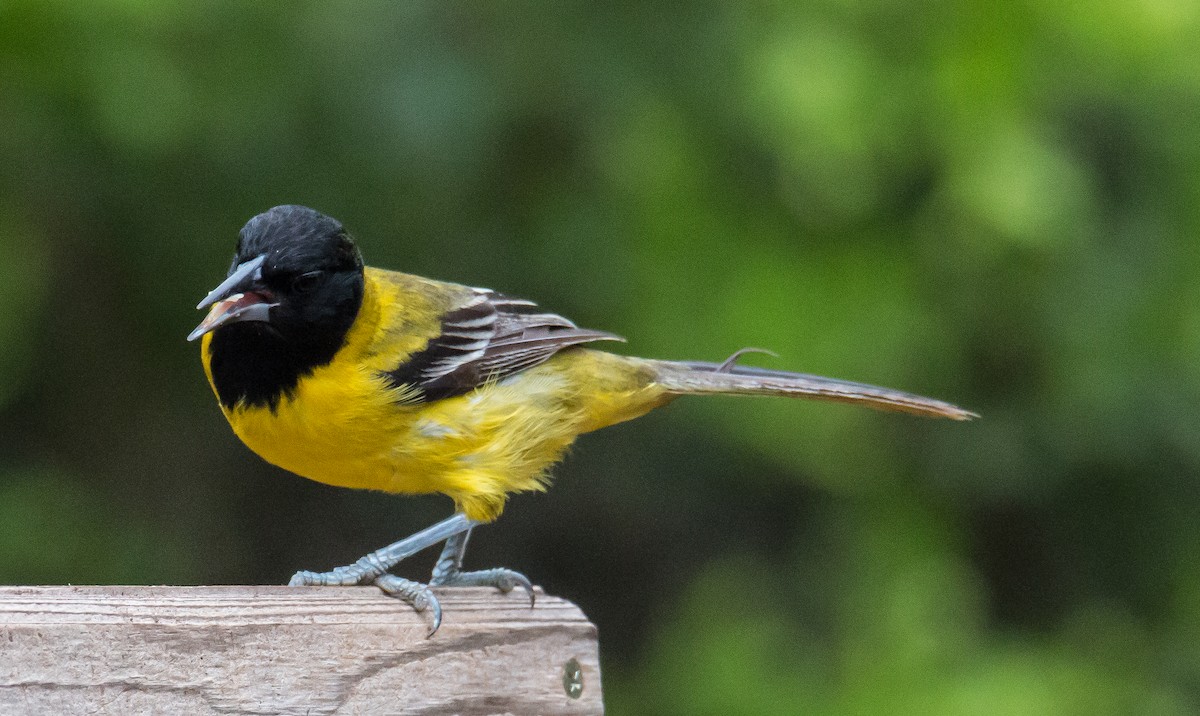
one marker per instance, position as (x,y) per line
(503,579)
(418,596)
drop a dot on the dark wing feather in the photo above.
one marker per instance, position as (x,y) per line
(489,337)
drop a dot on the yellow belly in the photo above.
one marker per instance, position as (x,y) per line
(343,426)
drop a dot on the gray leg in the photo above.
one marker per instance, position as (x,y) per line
(372,569)
(448,571)
(377,563)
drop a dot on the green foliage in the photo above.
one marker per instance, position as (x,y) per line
(993,203)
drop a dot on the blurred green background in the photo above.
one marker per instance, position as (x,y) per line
(992,203)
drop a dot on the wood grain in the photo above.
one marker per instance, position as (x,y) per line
(288,650)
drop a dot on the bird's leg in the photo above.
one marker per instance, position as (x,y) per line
(448,571)
(366,569)
(372,569)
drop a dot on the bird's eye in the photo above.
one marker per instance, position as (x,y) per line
(306,282)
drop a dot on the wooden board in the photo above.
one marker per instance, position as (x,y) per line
(290,650)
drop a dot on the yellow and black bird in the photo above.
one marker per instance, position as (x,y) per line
(365,378)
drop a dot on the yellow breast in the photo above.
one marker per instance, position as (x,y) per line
(338,427)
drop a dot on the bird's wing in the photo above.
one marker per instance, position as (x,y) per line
(485,337)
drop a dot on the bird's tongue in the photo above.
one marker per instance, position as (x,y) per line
(230,309)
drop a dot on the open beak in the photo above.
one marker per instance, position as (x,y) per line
(240,297)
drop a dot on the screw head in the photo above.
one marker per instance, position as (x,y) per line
(573,678)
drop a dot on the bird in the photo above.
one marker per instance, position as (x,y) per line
(361,377)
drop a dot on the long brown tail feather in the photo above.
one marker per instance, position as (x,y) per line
(693,377)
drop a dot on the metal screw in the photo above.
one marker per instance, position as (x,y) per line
(573,679)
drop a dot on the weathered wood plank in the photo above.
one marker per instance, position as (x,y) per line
(288,650)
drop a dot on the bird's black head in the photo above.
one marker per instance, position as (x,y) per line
(290,297)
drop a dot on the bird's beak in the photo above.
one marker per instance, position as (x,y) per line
(239,298)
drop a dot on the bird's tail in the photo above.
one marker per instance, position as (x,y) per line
(696,378)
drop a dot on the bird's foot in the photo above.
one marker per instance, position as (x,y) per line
(503,579)
(416,595)
(373,569)
(448,571)
(364,571)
